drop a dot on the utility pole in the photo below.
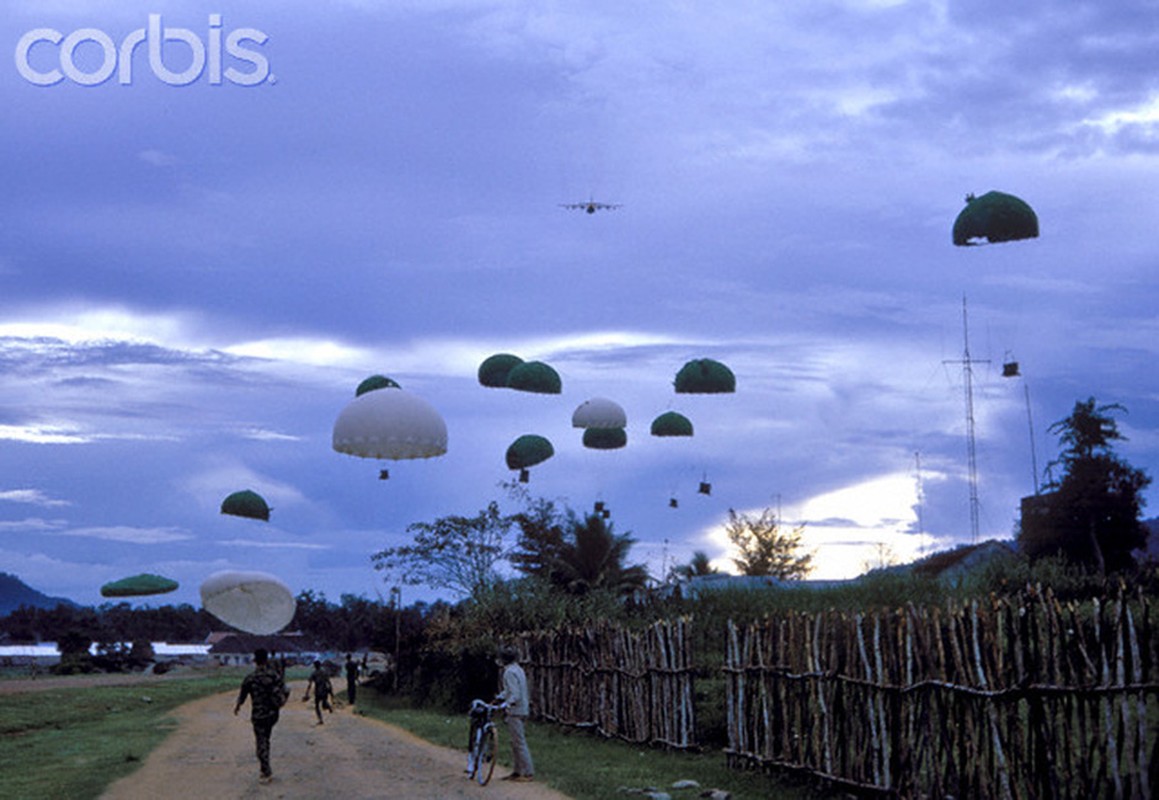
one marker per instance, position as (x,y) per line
(396,595)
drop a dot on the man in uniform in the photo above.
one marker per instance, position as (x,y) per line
(351,678)
(516,708)
(266,688)
(319,681)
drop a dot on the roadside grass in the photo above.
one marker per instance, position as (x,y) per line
(588,767)
(74,742)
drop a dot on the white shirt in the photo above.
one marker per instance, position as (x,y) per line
(515,691)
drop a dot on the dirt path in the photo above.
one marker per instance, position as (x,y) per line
(211,754)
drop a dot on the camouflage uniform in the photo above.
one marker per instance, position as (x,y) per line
(320,682)
(267,692)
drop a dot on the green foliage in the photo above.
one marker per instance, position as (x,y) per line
(594,558)
(1091,515)
(766,549)
(120,622)
(698,566)
(576,555)
(455,552)
(540,534)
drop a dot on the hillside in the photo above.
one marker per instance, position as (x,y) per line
(15,593)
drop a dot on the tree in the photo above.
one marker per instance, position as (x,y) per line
(541,536)
(455,552)
(765,549)
(1091,515)
(698,566)
(592,558)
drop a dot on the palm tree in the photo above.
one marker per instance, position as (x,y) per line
(698,566)
(593,558)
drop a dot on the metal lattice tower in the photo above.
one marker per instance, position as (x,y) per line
(971,452)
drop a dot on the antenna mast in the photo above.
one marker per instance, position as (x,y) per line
(921,499)
(971,453)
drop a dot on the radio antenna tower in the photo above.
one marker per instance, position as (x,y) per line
(920,496)
(971,453)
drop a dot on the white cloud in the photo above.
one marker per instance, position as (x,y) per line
(130,535)
(43,434)
(1144,114)
(33,525)
(259,543)
(221,477)
(31,496)
(262,435)
(851,528)
(82,322)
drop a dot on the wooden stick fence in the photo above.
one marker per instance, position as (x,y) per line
(630,685)
(1022,698)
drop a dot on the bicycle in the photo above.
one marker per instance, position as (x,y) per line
(481,741)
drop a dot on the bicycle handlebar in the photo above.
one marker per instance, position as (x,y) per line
(480,705)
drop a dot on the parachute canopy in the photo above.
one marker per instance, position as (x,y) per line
(995,217)
(254,602)
(375,382)
(138,585)
(495,369)
(705,376)
(528,450)
(535,376)
(605,438)
(671,423)
(599,412)
(246,504)
(394,425)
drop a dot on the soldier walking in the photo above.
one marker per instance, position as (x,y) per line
(266,688)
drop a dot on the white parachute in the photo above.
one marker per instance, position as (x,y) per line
(254,602)
(599,412)
(390,423)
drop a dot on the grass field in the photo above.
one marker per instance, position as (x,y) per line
(73,742)
(588,767)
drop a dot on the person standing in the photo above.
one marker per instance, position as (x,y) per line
(319,681)
(516,709)
(351,678)
(266,689)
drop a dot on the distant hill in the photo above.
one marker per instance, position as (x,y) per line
(15,593)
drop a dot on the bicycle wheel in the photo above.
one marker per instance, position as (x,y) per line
(486,763)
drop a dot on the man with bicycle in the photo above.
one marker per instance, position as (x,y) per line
(516,708)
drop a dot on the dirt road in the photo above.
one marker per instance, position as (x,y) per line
(211,754)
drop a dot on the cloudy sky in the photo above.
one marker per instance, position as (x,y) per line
(195,273)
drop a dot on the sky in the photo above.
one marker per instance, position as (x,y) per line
(199,262)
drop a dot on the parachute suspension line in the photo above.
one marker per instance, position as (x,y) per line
(971,452)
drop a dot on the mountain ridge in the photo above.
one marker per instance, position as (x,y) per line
(15,593)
